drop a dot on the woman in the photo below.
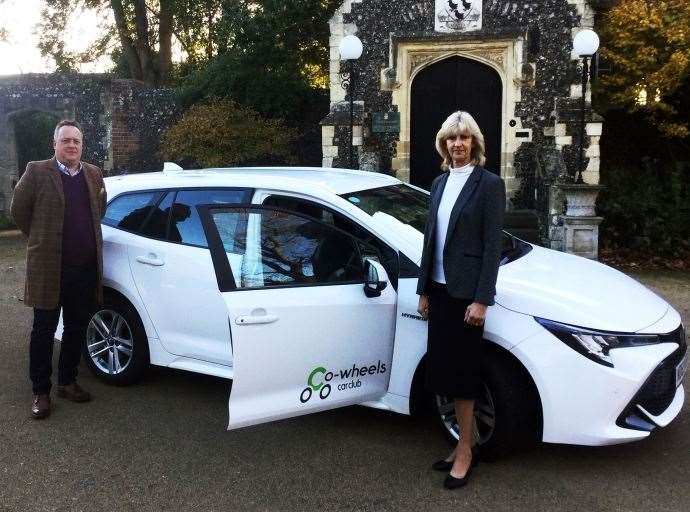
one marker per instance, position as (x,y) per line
(457,280)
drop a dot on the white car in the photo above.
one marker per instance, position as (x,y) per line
(299,285)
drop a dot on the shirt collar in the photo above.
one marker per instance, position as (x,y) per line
(63,168)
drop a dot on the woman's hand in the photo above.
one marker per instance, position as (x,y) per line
(423,307)
(475,314)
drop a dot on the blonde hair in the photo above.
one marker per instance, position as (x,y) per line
(457,123)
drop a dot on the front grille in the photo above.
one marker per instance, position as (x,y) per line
(658,392)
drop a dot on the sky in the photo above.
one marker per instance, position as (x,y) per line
(20,53)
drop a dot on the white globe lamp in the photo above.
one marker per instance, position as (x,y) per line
(350,48)
(586,42)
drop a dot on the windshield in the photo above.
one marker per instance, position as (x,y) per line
(406,204)
(410,206)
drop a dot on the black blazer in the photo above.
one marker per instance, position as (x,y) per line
(472,249)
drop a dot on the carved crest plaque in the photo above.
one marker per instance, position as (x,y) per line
(458,15)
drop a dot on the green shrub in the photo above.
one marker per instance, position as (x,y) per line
(646,203)
(221,133)
(646,207)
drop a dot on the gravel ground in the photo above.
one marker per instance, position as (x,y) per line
(161,445)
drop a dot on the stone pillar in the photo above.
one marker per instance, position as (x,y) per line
(580,222)
(335,134)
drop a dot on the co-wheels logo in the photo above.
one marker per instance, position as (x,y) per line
(320,380)
(315,382)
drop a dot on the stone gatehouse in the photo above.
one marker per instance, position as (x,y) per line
(509,63)
(122,121)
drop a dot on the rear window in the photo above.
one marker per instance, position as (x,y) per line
(129,211)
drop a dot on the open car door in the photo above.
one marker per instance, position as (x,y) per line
(312,326)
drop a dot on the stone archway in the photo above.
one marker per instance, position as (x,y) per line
(22,139)
(32,131)
(504,56)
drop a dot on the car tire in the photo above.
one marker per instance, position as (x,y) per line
(116,348)
(507,416)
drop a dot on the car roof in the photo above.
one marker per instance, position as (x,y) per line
(295,179)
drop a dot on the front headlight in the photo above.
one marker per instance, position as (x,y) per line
(595,345)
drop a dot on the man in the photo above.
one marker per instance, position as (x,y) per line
(58,204)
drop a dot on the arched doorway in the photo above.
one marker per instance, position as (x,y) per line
(455,83)
(26,135)
(33,136)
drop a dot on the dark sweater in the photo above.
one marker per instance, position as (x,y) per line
(78,237)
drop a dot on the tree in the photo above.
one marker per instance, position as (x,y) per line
(199,29)
(268,54)
(275,61)
(221,133)
(647,45)
(143,29)
(283,33)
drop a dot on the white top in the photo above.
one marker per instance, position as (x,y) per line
(456,180)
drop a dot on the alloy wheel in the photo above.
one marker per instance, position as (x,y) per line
(109,341)
(484,416)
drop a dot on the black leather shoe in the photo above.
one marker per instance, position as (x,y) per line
(453,483)
(444,465)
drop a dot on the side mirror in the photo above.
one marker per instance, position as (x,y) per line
(376,278)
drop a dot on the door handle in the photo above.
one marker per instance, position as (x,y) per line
(255,319)
(151,259)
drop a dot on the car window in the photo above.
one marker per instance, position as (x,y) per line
(408,205)
(156,224)
(129,211)
(185,225)
(370,246)
(267,247)
(295,204)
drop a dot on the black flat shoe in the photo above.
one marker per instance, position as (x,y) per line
(453,483)
(444,465)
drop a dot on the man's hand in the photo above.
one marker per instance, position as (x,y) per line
(475,314)
(423,307)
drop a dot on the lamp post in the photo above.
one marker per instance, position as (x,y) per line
(585,44)
(350,50)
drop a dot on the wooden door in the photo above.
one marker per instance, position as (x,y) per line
(453,84)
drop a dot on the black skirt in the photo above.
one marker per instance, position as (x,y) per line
(453,362)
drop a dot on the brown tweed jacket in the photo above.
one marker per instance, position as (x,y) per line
(37,208)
